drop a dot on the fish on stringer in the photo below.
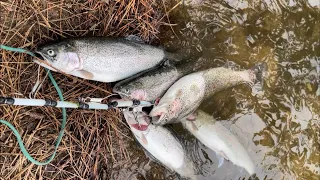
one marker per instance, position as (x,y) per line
(186,95)
(104,59)
(219,139)
(152,84)
(160,143)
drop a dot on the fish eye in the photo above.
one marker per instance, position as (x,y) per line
(51,52)
(127,90)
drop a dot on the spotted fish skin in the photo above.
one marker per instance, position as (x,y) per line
(186,95)
(222,78)
(150,85)
(102,59)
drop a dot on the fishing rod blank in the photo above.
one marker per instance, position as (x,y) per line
(66,104)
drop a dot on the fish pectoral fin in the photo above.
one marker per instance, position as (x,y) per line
(86,74)
(192,117)
(224,155)
(220,159)
(144,139)
(194,127)
(156,102)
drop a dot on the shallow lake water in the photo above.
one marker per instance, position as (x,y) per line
(279,126)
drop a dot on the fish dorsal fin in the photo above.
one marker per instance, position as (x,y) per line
(134,38)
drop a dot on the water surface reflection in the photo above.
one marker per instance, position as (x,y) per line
(280,126)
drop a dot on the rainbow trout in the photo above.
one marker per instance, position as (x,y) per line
(160,143)
(151,85)
(186,95)
(219,139)
(102,59)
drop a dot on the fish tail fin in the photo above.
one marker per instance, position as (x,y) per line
(258,74)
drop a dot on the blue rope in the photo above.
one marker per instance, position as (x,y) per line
(8,48)
(63,123)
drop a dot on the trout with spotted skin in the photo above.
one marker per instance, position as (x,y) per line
(150,85)
(160,143)
(100,58)
(186,95)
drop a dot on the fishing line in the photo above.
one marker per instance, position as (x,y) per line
(64,115)
(37,85)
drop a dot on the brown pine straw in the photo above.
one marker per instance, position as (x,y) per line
(95,141)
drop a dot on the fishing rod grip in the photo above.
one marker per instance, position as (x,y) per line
(66,104)
(134,102)
(36,102)
(6,100)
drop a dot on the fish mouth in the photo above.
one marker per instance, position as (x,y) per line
(117,89)
(40,59)
(123,96)
(139,121)
(39,55)
(139,127)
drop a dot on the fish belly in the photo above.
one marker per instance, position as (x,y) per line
(164,147)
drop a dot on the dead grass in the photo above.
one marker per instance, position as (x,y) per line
(94,140)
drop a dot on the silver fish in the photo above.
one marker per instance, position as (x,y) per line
(160,143)
(186,95)
(219,139)
(150,85)
(102,59)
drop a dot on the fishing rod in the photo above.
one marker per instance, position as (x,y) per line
(84,103)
